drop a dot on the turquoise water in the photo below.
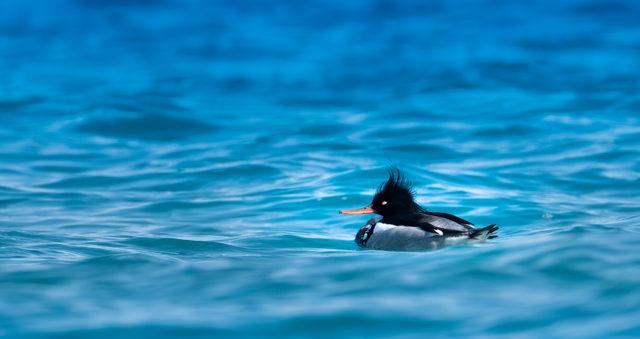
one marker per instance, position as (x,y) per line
(175,168)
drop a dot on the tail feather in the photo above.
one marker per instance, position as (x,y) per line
(484,233)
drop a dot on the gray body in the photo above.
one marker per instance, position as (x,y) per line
(377,235)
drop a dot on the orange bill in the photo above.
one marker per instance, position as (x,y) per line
(364,210)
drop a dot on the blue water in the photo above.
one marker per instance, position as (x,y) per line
(174,168)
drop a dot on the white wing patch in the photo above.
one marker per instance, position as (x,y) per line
(382,227)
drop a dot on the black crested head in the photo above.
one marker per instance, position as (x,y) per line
(395,196)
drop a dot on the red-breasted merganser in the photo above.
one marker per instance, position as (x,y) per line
(405,225)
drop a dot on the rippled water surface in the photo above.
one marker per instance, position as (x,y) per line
(175,168)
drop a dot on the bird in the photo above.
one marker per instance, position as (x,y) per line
(405,225)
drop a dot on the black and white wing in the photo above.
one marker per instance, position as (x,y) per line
(446,221)
(434,222)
